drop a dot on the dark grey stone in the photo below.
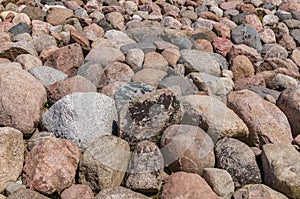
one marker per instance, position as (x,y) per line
(263,92)
(186,86)
(283,15)
(92,71)
(144,46)
(182,43)
(296,35)
(20,28)
(220,59)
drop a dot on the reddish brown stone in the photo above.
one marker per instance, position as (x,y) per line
(77,191)
(149,76)
(243,49)
(222,30)
(256,80)
(111,88)
(187,185)
(57,16)
(266,122)
(230,5)
(203,45)
(93,32)
(172,55)
(247,8)
(222,45)
(79,38)
(118,71)
(287,42)
(156,61)
(51,165)
(242,67)
(209,15)
(254,21)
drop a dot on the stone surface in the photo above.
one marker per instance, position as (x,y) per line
(242,67)
(288,102)
(255,80)
(119,192)
(22,97)
(28,61)
(57,16)
(104,163)
(37,137)
(281,168)
(257,191)
(92,71)
(135,58)
(12,155)
(145,168)
(156,61)
(187,185)
(145,117)
(51,165)
(149,76)
(212,116)
(238,159)
(281,82)
(81,117)
(266,122)
(220,181)
(118,71)
(187,148)
(185,85)
(27,194)
(78,191)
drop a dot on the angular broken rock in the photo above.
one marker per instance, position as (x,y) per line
(145,117)
(12,155)
(81,117)
(187,148)
(51,165)
(104,163)
(145,168)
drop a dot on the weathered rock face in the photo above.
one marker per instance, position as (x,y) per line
(187,148)
(145,168)
(145,117)
(51,165)
(22,97)
(220,181)
(119,192)
(266,123)
(281,168)
(239,160)
(78,191)
(12,155)
(212,116)
(38,137)
(257,191)
(26,194)
(92,71)
(81,117)
(104,163)
(187,185)
(288,102)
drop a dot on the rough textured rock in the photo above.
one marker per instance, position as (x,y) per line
(51,165)
(78,191)
(28,61)
(20,109)
(104,163)
(257,191)
(242,67)
(119,192)
(81,117)
(288,102)
(239,160)
(281,168)
(145,168)
(57,16)
(212,116)
(185,85)
(149,76)
(187,148)
(104,55)
(281,82)
(37,137)
(12,155)
(92,71)
(118,71)
(145,117)
(187,185)
(26,194)
(220,181)
(266,123)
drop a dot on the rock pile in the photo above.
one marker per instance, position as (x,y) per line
(139,99)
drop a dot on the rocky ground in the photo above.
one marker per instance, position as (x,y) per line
(170,99)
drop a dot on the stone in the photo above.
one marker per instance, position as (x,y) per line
(246,82)
(80,39)
(118,71)
(163,45)
(222,30)
(37,137)
(277,158)
(22,97)
(111,88)
(242,49)
(199,61)
(242,67)
(149,76)
(170,22)
(81,117)
(245,34)
(295,56)
(66,59)
(19,29)
(296,35)
(257,191)
(39,27)
(92,71)
(28,61)
(187,185)
(264,92)
(145,168)
(156,61)
(104,163)
(130,90)
(267,36)
(11,50)
(12,158)
(13,187)
(47,75)
(116,19)
(135,58)
(57,16)
(26,194)
(269,20)
(222,45)
(281,82)
(68,86)
(93,32)
(104,55)
(171,55)
(78,191)
(220,181)
(274,51)
(220,59)
(185,85)
(213,117)
(203,45)
(288,102)
(182,43)
(218,86)
(287,41)
(146,47)
(145,117)
(187,148)
(238,159)
(266,122)
(119,192)
(51,165)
